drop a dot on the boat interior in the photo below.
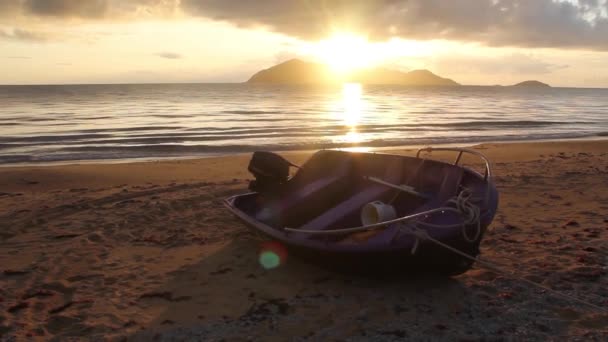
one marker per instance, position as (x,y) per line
(330,189)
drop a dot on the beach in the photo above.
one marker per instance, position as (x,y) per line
(147,251)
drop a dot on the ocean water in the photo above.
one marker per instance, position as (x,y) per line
(90,122)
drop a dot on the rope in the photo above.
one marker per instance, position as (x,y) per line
(470,212)
(421,234)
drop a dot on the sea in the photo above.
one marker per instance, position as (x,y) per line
(124,122)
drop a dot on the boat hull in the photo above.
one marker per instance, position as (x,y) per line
(427,259)
(389,253)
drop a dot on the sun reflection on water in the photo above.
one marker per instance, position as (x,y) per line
(351,110)
(351,100)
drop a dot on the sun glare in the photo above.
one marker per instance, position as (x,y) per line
(344,52)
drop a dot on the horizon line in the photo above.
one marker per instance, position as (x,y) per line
(280,84)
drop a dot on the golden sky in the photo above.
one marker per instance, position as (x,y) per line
(562,42)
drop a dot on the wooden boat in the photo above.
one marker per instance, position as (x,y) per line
(318,212)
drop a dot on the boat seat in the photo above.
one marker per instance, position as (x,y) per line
(316,186)
(354,204)
(447,188)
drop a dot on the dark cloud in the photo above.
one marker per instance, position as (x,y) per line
(66,8)
(89,9)
(523,23)
(169,55)
(9,7)
(27,35)
(301,18)
(536,23)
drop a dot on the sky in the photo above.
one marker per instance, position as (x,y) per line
(485,42)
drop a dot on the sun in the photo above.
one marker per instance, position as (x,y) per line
(346,52)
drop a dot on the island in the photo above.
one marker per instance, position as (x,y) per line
(532,83)
(296,71)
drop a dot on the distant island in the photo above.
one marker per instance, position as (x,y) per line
(296,71)
(536,84)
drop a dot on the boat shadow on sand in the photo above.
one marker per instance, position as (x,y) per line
(229,295)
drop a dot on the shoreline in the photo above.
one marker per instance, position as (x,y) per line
(227,168)
(144,251)
(596,137)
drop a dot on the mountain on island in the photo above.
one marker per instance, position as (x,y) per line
(296,71)
(532,84)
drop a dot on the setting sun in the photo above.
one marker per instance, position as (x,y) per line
(345,52)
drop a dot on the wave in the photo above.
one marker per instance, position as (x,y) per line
(171,116)
(160,151)
(158,121)
(250,112)
(52,138)
(172,134)
(512,123)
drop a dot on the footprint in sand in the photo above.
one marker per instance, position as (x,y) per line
(96,237)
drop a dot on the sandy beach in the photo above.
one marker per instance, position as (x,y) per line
(146,251)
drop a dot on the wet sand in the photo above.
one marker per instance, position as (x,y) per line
(146,251)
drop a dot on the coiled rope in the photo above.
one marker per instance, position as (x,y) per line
(470,216)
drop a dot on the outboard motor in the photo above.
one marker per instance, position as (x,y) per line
(270,171)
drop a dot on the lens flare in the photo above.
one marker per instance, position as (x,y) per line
(272,255)
(269,260)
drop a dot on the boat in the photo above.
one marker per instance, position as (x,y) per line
(372,213)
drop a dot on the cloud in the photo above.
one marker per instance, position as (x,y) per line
(89,9)
(571,24)
(9,7)
(537,23)
(169,55)
(515,63)
(24,35)
(66,8)
(285,55)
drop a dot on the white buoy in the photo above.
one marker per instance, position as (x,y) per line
(377,211)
